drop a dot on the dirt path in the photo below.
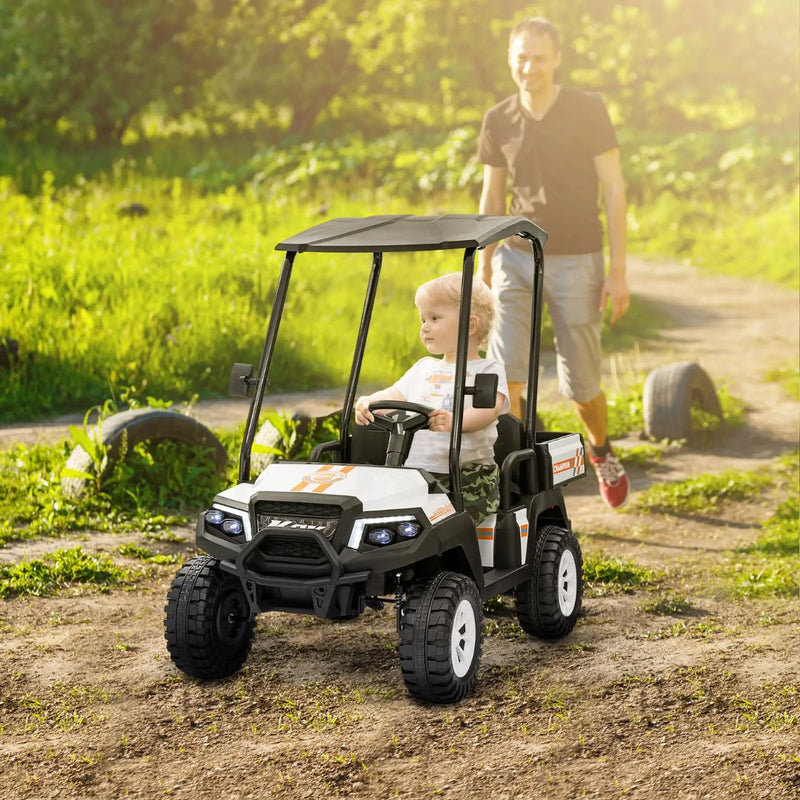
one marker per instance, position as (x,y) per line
(699,704)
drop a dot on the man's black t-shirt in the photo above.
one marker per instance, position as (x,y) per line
(551,164)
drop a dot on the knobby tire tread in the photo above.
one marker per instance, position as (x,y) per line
(425,639)
(540,615)
(189,622)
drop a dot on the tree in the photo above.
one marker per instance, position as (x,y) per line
(293,55)
(94,65)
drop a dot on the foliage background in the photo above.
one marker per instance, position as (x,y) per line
(236,122)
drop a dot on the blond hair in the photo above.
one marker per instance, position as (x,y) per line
(447,289)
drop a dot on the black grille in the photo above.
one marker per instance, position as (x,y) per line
(277,547)
(279,508)
(290,556)
(289,516)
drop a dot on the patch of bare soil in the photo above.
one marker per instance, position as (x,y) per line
(701,704)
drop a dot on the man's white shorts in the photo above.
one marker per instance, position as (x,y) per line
(572,288)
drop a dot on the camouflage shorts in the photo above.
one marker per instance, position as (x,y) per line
(480,486)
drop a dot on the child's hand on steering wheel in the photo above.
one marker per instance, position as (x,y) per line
(363,414)
(440,421)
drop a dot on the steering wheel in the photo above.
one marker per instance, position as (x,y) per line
(408,424)
(400,424)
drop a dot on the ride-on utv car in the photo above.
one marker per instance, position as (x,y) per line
(353,528)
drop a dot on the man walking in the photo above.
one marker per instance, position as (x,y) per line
(556,144)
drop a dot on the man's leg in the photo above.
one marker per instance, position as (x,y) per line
(512,283)
(571,292)
(593,415)
(613,481)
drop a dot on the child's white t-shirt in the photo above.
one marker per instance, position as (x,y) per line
(430,382)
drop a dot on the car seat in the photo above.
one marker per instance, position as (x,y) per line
(510,438)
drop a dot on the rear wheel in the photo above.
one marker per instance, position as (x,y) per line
(208,627)
(441,634)
(549,603)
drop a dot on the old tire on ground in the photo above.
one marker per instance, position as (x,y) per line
(267,437)
(120,432)
(208,627)
(670,394)
(441,634)
(549,603)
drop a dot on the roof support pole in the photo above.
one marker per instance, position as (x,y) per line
(462,354)
(358,355)
(536,335)
(263,369)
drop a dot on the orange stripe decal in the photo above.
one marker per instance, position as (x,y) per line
(485,534)
(323,478)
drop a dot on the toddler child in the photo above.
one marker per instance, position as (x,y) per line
(430,382)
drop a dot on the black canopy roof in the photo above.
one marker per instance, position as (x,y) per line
(405,232)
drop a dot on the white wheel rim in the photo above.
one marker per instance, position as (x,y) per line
(463,638)
(567,583)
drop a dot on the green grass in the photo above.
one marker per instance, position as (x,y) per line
(764,578)
(781,532)
(703,493)
(766,568)
(153,486)
(640,456)
(156,486)
(603,574)
(31,501)
(788,376)
(64,569)
(166,302)
(770,566)
(145,554)
(726,239)
(670,603)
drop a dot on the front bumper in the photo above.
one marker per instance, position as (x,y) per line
(288,571)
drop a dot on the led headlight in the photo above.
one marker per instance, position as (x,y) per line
(408,530)
(214,516)
(380,531)
(380,536)
(232,526)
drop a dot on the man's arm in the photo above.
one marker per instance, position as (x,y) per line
(615,287)
(493,203)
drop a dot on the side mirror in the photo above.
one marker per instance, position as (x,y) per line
(484,392)
(241,380)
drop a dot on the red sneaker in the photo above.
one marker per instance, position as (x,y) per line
(612,479)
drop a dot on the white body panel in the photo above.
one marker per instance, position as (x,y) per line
(567,456)
(485,533)
(378,488)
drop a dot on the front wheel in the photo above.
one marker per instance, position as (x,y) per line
(549,603)
(441,633)
(208,626)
